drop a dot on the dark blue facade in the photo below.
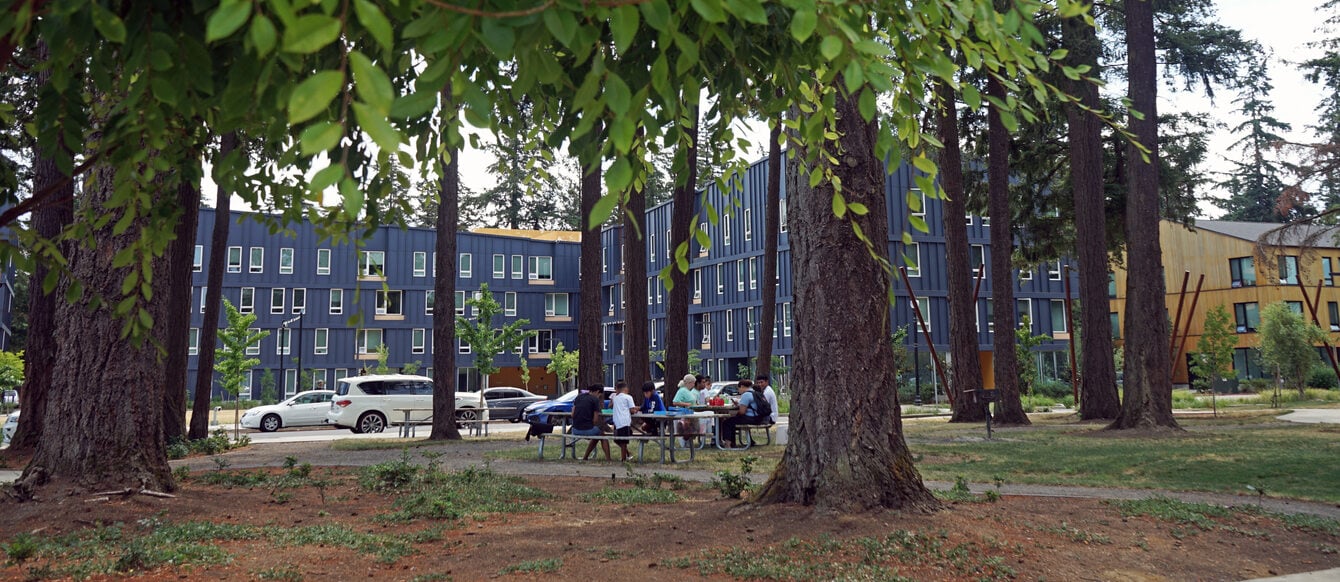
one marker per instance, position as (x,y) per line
(349,304)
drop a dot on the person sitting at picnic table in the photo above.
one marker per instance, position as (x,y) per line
(586,418)
(761,382)
(651,404)
(685,395)
(747,413)
(622,407)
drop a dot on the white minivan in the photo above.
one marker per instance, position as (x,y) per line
(370,403)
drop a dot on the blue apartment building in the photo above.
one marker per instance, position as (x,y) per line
(726,296)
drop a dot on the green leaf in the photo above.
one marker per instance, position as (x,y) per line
(230,16)
(353,198)
(830,47)
(866,104)
(326,178)
(710,10)
(414,104)
(619,175)
(109,25)
(602,210)
(617,95)
(562,24)
(657,14)
(378,26)
(918,223)
(924,164)
(313,95)
(263,34)
(498,36)
(373,84)
(375,124)
(857,208)
(971,96)
(320,137)
(623,26)
(803,23)
(310,33)
(839,205)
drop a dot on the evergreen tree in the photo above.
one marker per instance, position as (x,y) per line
(1255,185)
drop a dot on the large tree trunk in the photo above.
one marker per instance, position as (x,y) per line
(846,449)
(590,361)
(771,225)
(635,356)
(444,291)
(40,354)
(103,427)
(682,215)
(174,330)
(214,269)
(1148,401)
(1005,362)
(1098,384)
(966,369)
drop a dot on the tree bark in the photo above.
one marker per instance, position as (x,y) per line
(846,450)
(444,290)
(767,318)
(590,361)
(103,427)
(635,349)
(1148,400)
(215,267)
(1004,361)
(40,354)
(682,215)
(1098,383)
(966,369)
(174,330)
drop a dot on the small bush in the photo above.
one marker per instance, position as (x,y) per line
(1054,389)
(731,485)
(216,443)
(1322,377)
(389,476)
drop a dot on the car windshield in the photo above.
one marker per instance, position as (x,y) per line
(570,396)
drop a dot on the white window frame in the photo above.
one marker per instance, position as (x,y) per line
(234,259)
(725,230)
(697,284)
(924,304)
(321,341)
(283,341)
(277,293)
(730,325)
(286,252)
(517,263)
(420,263)
(533,268)
(913,250)
(1026,274)
(418,340)
(244,306)
(429,301)
(323,261)
(244,393)
(748,224)
(707,328)
(361,340)
(739,274)
(753,273)
(509,303)
(198,260)
(551,301)
(499,266)
(919,213)
(533,342)
(974,250)
(460,302)
(204,297)
(1054,274)
(254,348)
(253,264)
(1050,306)
(193,342)
(781,215)
(465,265)
(749,323)
(967,218)
(383,302)
(335,307)
(721,282)
(366,263)
(651,246)
(290,382)
(299,306)
(1029,302)
(462,347)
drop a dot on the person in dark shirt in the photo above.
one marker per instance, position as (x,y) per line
(651,403)
(586,418)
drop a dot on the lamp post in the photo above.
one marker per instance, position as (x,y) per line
(283,353)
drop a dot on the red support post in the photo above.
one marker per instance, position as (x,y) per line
(930,343)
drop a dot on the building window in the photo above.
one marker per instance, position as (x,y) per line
(667,244)
(911,258)
(1246,363)
(369,340)
(707,328)
(257,264)
(967,219)
(193,341)
(781,216)
(372,264)
(321,341)
(204,292)
(748,224)
(541,342)
(786,319)
(290,382)
(509,303)
(466,266)
(499,266)
(749,323)
(418,340)
(990,316)
(341,373)
(753,273)
(277,300)
(651,293)
(1326,271)
(234,259)
(198,262)
(604,260)
(1242,271)
(516,267)
(1026,274)
(1058,315)
(254,348)
(739,274)
(697,284)
(541,268)
(1246,316)
(429,302)
(299,301)
(336,301)
(1054,271)
(1288,270)
(1333,309)
(651,247)
(924,304)
(917,197)
(286,261)
(420,264)
(323,261)
(1023,308)
(285,339)
(434,264)
(721,280)
(319,378)
(1111,285)
(245,392)
(1116,324)
(460,303)
(730,325)
(977,256)
(462,346)
(247,302)
(659,287)
(556,305)
(1295,306)
(388,303)
(725,230)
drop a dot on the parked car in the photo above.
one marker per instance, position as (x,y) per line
(370,403)
(303,409)
(538,413)
(11,423)
(723,389)
(512,400)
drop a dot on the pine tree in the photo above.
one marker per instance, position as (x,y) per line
(1255,185)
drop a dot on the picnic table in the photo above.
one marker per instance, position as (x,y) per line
(477,427)
(666,437)
(718,413)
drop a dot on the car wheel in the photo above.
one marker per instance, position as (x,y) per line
(466,414)
(517,418)
(371,422)
(271,423)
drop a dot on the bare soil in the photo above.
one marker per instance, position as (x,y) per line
(572,537)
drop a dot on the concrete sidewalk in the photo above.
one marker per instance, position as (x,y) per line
(1313,416)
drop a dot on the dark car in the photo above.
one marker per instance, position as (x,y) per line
(507,402)
(538,413)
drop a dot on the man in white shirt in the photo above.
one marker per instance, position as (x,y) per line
(623,406)
(768,394)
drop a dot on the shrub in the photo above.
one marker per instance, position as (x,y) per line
(1054,389)
(1257,385)
(1322,377)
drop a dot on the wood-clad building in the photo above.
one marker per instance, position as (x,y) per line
(1243,277)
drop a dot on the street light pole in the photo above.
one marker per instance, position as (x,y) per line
(300,330)
(284,341)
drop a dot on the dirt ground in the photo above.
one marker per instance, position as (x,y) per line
(571,536)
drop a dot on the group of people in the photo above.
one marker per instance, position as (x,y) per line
(586,417)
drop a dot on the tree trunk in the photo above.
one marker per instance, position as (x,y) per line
(174,330)
(1098,384)
(767,317)
(215,267)
(1005,362)
(635,356)
(681,222)
(103,427)
(846,450)
(590,361)
(40,353)
(966,369)
(444,290)
(1148,401)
